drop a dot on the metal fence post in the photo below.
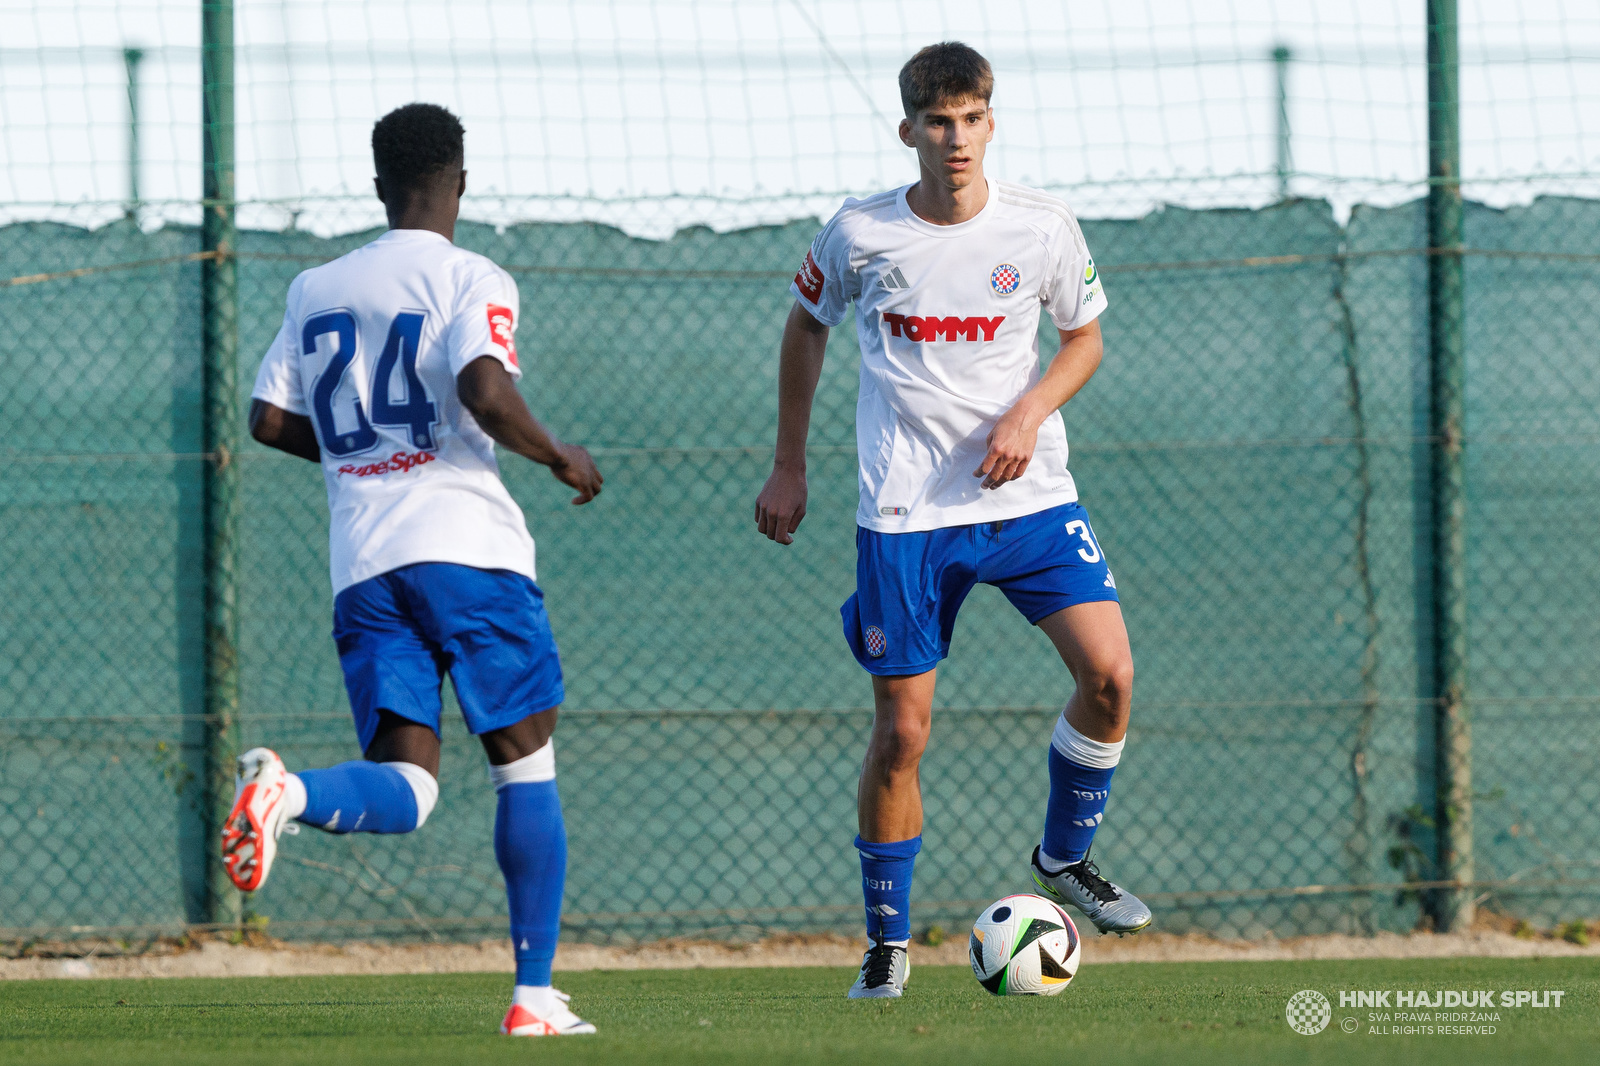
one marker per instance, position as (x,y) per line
(1446,319)
(131,58)
(1283,164)
(220,340)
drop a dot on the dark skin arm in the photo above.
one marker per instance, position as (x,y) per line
(277,428)
(488,391)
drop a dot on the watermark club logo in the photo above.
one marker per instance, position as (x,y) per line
(1308,1012)
(1005,278)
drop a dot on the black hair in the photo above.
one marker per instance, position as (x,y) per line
(947,71)
(412,143)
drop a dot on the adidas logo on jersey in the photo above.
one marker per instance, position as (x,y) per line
(933,327)
(893,280)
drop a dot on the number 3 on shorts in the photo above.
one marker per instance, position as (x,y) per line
(1092,553)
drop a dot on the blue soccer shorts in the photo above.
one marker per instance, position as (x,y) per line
(399,633)
(909,586)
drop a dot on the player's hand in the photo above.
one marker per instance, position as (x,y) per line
(576,468)
(1011,444)
(781,505)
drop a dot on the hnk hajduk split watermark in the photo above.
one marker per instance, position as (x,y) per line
(1417,1012)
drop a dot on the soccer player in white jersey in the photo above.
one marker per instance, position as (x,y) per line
(395,370)
(963,472)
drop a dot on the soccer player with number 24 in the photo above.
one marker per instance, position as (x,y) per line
(962,456)
(395,370)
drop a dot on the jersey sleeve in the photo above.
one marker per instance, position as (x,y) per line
(485,322)
(825,284)
(278,380)
(1074,296)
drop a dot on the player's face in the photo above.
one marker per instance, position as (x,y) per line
(950,139)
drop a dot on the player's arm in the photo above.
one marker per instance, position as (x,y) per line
(284,430)
(488,391)
(782,503)
(1013,438)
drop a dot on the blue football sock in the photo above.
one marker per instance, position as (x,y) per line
(886,884)
(359,797)
(530,842)
(1077,804)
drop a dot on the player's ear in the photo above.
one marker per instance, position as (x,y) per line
(377,185)
(989,138)
(461,186)
(905,133)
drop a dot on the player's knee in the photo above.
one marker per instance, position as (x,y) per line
(424,787)
(899,745)
(1108,685)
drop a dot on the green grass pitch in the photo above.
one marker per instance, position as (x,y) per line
(1177,1013)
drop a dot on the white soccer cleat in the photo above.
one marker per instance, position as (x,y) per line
(885,969)
(1110,907)
(555,1019)
(259,815)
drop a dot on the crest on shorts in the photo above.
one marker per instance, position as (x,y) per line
(877,644)
(1005,278)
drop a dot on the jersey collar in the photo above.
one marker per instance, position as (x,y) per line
(922,225)
(412,235)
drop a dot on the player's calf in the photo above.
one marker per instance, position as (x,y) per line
(1080,784)
(353,797)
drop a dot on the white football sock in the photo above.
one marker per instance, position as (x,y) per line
(1050,864)
(294,796)
(1073,745)
(541,999)
(540,766)
(423,786)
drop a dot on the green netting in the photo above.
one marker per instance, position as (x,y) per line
(1253,451)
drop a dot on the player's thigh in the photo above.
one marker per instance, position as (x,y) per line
(909,587)
(520,739)
(1093,641)
(401,740)
(1049,561)
(496,640)
(389,662)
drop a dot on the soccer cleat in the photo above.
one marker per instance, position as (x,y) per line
(558,1020)
(1112,909)
(259,815)
(885,968)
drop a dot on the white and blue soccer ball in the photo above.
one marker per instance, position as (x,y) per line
(1024,946)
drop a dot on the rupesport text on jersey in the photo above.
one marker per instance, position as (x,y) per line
(932,327)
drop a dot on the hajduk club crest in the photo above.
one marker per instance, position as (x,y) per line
(1005,278)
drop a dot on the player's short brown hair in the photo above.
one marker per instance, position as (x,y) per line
(948,70)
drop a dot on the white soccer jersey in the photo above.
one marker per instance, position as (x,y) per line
(370,348)
(948,321)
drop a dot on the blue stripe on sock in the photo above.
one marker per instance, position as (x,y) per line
(886,885)
(359,797)
(1077,804)
(530,842)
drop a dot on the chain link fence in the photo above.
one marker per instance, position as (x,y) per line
(1254,451)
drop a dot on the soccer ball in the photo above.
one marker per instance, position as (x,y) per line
(1024,946)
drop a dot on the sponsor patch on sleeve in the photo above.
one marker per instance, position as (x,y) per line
(809,279)
(500,327)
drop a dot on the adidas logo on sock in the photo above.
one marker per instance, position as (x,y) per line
(1089,821)
(883,910)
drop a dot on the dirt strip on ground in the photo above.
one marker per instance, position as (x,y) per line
(217,958)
